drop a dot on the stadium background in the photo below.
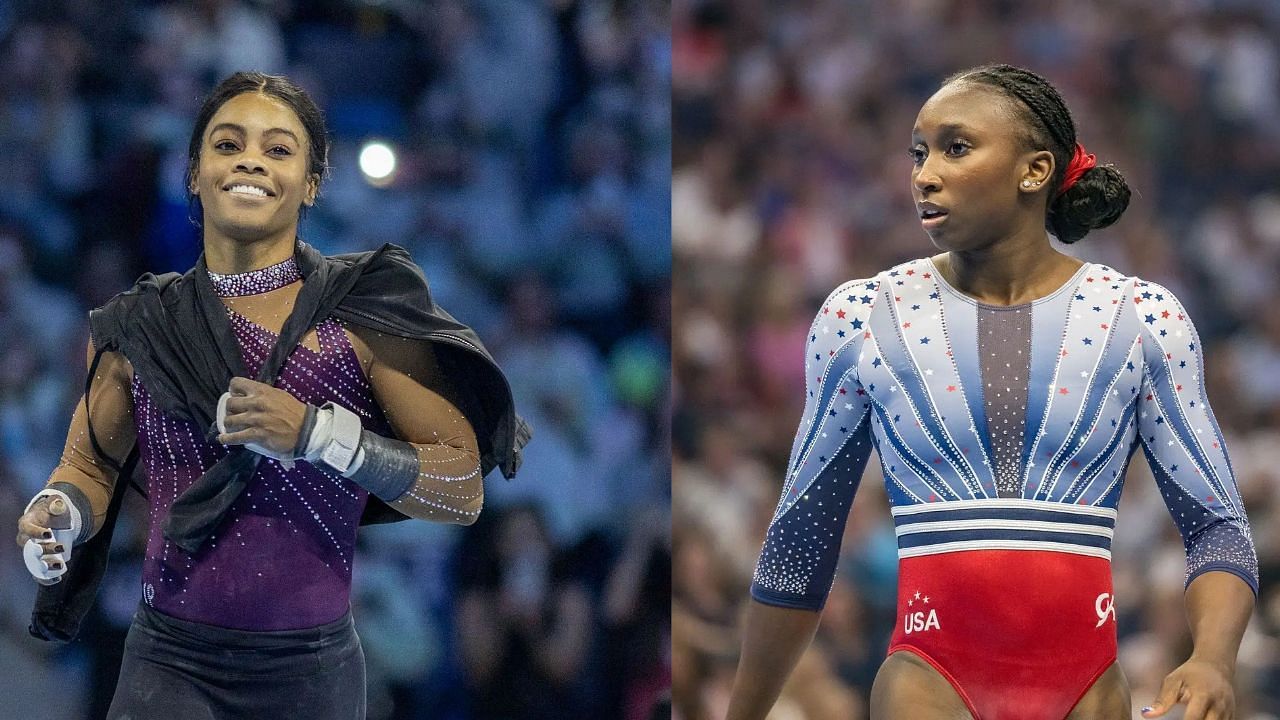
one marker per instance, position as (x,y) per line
(790,175)
(533,140)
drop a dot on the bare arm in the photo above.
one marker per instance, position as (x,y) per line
(773,639)
(1218,608)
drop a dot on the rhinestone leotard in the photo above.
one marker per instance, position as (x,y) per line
(1004,428)
(282,557)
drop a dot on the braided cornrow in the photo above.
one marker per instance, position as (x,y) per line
(1100,196)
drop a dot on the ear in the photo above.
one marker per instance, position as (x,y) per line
(313,189)
(194,186)
(1037,172)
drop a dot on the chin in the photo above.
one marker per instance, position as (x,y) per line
(245,230)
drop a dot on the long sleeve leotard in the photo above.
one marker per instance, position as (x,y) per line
(976,409)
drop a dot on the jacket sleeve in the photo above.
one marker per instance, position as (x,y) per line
(797,564)
(1183,443)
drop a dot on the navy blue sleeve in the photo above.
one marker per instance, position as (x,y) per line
(1184,445)
(797,564)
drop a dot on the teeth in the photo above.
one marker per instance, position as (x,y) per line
(248,190)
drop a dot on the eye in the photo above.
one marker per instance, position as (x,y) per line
(917,154)
(957,148)
(280,150)
(225,145)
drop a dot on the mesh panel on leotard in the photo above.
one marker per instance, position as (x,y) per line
(1004,349)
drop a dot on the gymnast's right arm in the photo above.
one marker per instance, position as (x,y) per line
(797,564)
(83,481)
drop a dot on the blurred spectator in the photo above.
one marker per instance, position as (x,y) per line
(533,145)
(524,618)
(790,176)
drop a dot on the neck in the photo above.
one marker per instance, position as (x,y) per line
(227,256)
(1008,273)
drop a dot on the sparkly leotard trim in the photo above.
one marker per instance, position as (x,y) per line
(253,282)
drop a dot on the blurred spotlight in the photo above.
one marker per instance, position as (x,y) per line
(378,163)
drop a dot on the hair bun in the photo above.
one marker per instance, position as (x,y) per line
(1097,199)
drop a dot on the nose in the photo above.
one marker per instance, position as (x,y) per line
(925,179)
(250,165)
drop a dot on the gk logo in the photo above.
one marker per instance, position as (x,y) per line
(1105,605)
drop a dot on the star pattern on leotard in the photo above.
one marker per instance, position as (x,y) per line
(1114,359)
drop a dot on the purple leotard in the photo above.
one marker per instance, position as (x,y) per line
(282,557)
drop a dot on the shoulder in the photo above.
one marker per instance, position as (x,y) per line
(840,326)
(391,351)
(1156,305)
(109,321)
(385,263)
(852,299)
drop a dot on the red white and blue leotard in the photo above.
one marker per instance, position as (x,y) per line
(1004,434)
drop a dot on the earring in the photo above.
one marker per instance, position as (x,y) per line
(1026,183)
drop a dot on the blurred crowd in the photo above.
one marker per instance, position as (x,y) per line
(534,149)
(790,175)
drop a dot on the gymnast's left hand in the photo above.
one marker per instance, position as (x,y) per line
(1205,688)
(265,419)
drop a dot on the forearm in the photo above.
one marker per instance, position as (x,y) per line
(446,486)
(1219,605)
(438,481)
(773,639)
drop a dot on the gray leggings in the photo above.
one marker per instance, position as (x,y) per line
(178,669)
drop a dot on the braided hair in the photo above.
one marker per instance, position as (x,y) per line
(1100,195)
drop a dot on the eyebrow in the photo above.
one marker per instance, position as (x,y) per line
(944,127)
(239,129)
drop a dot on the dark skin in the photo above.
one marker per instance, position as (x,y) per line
(970,159)
(257,140)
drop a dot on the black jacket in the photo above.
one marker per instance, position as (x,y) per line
(175,332)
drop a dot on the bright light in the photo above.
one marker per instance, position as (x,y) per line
(378,163)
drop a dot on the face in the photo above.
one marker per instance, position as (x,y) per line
(969,160)
(252,174)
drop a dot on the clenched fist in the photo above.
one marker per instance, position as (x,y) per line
(265,419)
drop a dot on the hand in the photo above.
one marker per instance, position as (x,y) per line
(1204,686)
(265,419)
(46,532)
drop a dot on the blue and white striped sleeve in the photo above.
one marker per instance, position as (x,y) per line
(1183,443)
(797,564)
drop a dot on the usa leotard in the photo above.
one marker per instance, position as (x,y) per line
(1004,434)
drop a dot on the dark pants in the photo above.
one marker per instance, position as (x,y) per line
(178,669)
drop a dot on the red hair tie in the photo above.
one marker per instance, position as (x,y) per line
(1080,161)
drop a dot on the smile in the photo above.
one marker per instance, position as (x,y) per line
(249,191)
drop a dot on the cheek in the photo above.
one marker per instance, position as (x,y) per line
(986,184)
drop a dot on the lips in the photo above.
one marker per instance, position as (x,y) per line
(930,210)
(932,214)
